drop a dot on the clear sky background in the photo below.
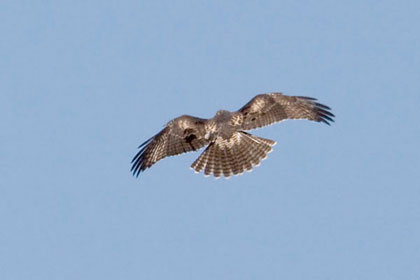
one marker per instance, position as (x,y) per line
(83,83)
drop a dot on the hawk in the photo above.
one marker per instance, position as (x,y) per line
(230,149)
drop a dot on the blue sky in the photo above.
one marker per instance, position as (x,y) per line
(83,83)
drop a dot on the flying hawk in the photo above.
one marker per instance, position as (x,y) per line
(230,149)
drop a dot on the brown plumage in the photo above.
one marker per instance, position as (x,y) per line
(230,150)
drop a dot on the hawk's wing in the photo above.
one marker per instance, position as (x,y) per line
(269,108)
(181,135)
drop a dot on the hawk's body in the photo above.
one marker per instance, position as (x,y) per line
(230,150)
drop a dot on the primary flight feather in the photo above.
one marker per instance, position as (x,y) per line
(230,150)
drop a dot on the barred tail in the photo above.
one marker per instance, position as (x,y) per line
(233,156)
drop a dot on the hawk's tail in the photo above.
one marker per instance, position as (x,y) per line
(233,156)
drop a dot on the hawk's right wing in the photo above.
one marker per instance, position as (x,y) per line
(181,135)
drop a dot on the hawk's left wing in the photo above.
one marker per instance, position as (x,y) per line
(269,108)
(181,135)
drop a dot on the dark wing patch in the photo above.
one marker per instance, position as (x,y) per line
(181,135)
(266,109)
